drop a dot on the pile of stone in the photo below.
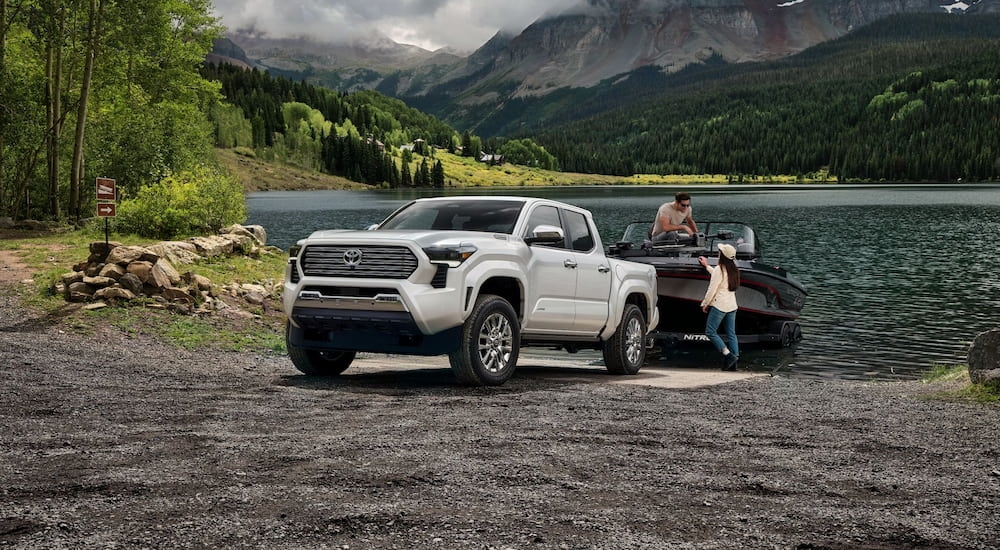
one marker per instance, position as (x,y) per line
(116,273)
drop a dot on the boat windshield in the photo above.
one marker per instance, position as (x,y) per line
(738,234)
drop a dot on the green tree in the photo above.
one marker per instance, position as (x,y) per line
(196,201)
(95,57)
(423,175)
(406,179)
(437,175)
(527,153)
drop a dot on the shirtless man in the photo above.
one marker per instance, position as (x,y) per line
(673,217)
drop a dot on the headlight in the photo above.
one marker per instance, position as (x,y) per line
(293,251)
(451,255)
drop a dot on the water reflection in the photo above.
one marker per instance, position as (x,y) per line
(899,278)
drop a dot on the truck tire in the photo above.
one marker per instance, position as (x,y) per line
(625,351)
(318,363)
(491,341)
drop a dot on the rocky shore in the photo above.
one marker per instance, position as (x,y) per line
(111,440)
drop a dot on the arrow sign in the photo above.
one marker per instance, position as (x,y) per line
(105,189)
(106,210)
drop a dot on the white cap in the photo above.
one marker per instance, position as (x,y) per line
(728,250)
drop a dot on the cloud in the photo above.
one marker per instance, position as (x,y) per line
(460,24)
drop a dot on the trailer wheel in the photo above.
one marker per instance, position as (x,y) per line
(786,334)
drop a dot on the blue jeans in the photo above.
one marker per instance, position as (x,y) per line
(728,323)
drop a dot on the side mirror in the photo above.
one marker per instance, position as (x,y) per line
(545,234)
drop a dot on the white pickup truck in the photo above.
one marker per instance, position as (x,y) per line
(472,277)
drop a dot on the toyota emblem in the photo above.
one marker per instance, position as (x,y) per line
(352,257)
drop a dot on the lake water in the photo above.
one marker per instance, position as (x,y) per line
(900,278)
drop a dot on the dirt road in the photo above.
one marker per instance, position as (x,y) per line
(111,441)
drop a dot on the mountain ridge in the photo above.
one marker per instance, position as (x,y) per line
(578,48)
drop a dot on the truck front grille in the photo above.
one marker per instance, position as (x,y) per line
(370,262)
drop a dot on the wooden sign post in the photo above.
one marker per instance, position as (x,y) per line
(107,193)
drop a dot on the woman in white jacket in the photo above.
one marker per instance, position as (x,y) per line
(720,305)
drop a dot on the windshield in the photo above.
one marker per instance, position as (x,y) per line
(490,216)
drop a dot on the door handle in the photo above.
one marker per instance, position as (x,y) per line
(569,263)
(603,268)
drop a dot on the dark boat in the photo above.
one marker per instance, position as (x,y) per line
(770,299)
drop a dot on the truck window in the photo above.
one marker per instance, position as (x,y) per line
(578,231)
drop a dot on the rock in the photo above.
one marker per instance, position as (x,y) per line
(79,292)
(239,243)
(198,281)
(80,287)
(142,270)
(248,288)
(6,222)
(72,277)
(237,229)
(95,306)
(212,246)
(115,293)
(163,271)
(77,297)
(128,272)
(984,359)
(254,298)
(99,282)
(114,271)
(259,233)
(177,252)
(125,255)
(178,295)
(131,282)
(99,250)
(255,232)
(180,308)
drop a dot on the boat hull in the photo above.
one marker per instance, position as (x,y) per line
(769,301)
(769,298)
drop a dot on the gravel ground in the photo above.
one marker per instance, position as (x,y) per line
(117,441)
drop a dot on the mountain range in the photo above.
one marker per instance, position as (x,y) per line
(596,42)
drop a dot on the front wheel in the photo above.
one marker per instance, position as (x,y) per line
(491,341)
(316,362)
(625,351)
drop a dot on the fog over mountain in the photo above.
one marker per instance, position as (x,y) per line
(456,25)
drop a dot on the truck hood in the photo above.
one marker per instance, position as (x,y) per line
(421,238)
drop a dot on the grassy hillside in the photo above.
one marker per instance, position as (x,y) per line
(259,175)
(460,172)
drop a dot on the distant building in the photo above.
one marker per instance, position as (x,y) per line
(490,158)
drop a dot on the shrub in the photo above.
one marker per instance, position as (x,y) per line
(196,201)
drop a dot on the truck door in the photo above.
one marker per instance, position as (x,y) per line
(550,296)
(593,274)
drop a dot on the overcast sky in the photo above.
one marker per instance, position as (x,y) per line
(460,24)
